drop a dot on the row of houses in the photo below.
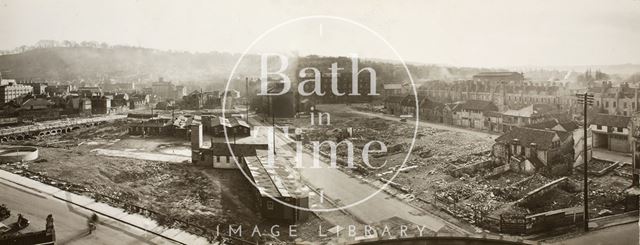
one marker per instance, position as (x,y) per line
(609,99)
(533,138)
(476,114)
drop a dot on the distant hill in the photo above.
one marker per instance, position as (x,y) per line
(98,62)
(91,63)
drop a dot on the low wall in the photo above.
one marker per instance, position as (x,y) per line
(472,168)
(497,171)
(18,154)
(543,189)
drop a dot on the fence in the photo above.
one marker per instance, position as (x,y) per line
(511,224)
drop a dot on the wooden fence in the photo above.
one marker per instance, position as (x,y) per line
(512,224)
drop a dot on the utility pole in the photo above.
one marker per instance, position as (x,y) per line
(586,100)
(246,91)
(273,125)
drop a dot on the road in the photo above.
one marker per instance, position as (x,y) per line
(621,234)
(346,189)
(612,155)
(70,221)
(423,123)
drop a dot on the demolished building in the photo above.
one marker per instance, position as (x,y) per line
(530,150)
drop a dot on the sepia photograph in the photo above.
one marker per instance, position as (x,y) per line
(368,122)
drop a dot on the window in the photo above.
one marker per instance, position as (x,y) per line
(599,127)
(624,105)
(227,159)
(606,104)
(619,129)
(625,113)
(614,104)
(217,158)
(270,205)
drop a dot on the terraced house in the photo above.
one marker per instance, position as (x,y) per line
(471,113)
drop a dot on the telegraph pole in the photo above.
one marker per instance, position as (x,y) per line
(246,91)
(586,100)
(273,123)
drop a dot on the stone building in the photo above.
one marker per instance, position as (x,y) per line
(10,90)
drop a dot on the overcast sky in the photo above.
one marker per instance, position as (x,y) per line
(454,32)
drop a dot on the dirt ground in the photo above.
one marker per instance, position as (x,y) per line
(430,169)
(202,196)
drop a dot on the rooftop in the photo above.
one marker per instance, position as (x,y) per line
(610,120)
(475,105)
(530,111)
(276,181)
(555,124)
(542,138)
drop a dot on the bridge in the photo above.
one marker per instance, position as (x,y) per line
(53,127)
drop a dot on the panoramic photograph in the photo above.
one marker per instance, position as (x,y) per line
(370,122)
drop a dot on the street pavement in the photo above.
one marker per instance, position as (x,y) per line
(627,234)
(425,124)
(35,201)
(612,156)
(345,189)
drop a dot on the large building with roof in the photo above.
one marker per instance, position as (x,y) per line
(216,126)
(270,181)
(277,181)
(533,150)
(10,90)
(577,132)
(611,132)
